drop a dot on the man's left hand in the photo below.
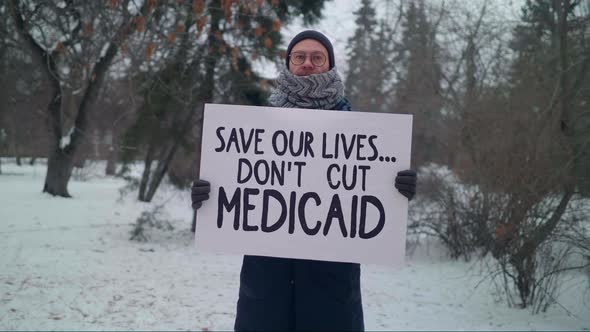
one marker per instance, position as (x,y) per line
(405,182)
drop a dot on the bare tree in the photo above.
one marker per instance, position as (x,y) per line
(417,89)
(521,142)
(74,42)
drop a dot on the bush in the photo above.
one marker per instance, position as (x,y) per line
(153,219)
(532,239)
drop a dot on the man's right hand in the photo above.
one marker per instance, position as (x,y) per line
(200,192)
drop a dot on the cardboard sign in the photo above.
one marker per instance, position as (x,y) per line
(300,183)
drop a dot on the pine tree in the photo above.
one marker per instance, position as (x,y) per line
(417,90)
(368,67)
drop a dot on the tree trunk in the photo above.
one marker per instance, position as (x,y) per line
(194,223)
(111,162)
(207,93)
(525,280)
(163,165)
(59,170)
(145,176)
(112,153)
(60,162)
(157,177)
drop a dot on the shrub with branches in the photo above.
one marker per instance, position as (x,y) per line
(474,220)
(153,218)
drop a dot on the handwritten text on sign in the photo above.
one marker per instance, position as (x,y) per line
(301,183)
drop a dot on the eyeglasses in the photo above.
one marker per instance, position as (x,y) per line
(318,59)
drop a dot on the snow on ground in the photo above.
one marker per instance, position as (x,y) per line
(68,264)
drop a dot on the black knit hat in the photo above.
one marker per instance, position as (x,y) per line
(315,35)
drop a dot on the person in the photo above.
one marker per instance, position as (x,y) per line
(298,294)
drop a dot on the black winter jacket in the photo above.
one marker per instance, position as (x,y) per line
(295,294)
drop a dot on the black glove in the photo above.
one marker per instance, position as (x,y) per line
(200,192)
(405,182)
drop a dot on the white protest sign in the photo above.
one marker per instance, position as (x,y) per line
(300,183)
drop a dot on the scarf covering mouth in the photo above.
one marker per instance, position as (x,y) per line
(317,91)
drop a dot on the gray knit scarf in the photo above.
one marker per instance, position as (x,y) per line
(318,91)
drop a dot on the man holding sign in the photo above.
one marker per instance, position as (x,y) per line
(301,294)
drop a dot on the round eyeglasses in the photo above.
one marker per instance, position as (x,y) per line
(318,59)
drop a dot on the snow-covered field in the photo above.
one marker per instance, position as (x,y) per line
(68,264)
